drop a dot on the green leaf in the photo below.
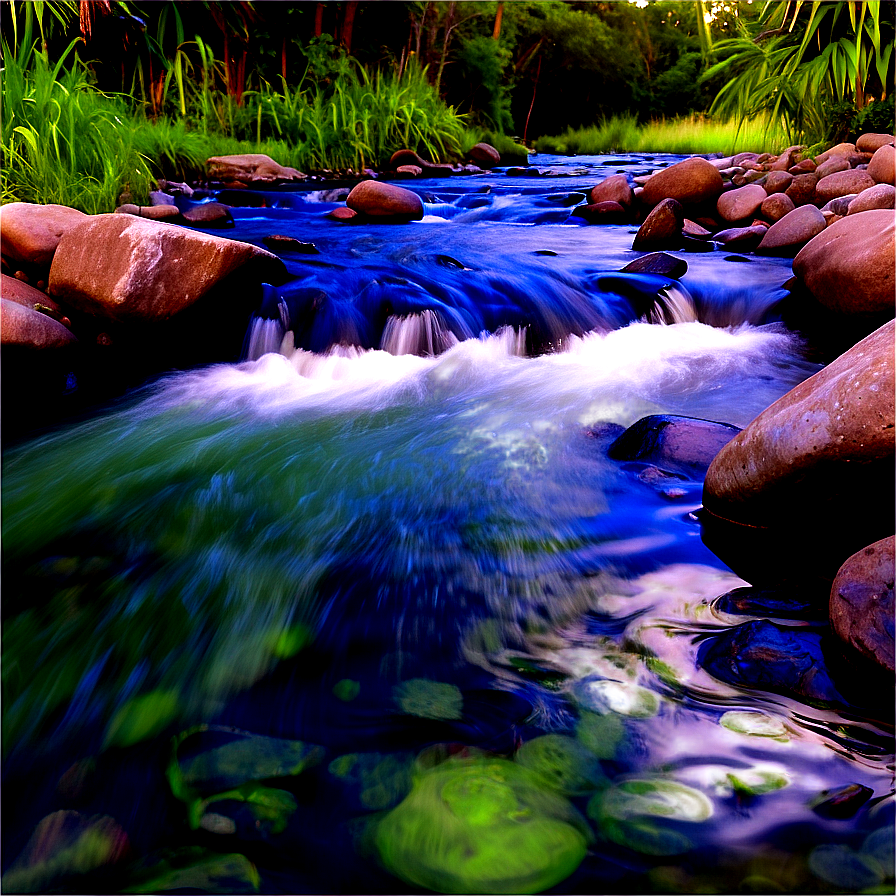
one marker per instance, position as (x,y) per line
(429,699)
(141,718)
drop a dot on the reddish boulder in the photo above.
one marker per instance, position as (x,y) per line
(661,227)
(777,205)
(882,165)
(23,326)
(485,155)
(841,149)
(802,189)
(30,233)
(832,166)
(380,200)
(615,188)
(789,234)
(840,183)
(689,182)
(250,168)
(873,142)
(777,182)
(736,205)
(602,213)
(879,196)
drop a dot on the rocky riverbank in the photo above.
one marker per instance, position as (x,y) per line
(117,298)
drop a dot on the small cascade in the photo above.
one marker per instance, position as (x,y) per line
(425,334)
(674,305)
(264,336)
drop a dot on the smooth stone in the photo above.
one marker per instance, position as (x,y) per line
(405,157)
(409,170)
(721,164)
(30,232)
(776,206)
(850,267)
(873,142)
(159,197)
(736,205)
(129,269)
(485,155)
(342,214)
(153,212)
(840,205)
(662,226)
(742,157)
(22,325)
(802,189)
(882,165)
(692,228)
(879,196)
(658,263)
(832,166)
(250,168)
(682,444)
(615,188)
(690,182)
(24,294)
(789,234)
(806,166)
(842,182)
(743,238)
(209,214)
(606,212)
(787,158)
(841,149)
(379,200)
(777,182)
(816,454)
(862,605)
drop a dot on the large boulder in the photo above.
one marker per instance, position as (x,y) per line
(790,233)
(873,142)
(23,326)
(662,227)
(250,168)
(878,196)
(485,155)
(882,166)
(849,267)
(129,269)
(381,200)
(23,294)
(736,205)
(841,183)
(861,606)
(615,188)
(30,233)
(690,182)
(819,461)
(775,206)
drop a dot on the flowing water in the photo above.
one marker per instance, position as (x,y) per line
(374,611)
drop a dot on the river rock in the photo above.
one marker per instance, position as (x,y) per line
(689,182)
(842,182)
(607,212)
(873,142)
(23,294)
(209,214)
(862,605)
(662,226)
(485,155)
(820,456)
(381,200)
(615,188)
(776,206)
(849,268)
(251,168)
(789,234)
(777,182)
(736,205)
(23,326)
(129,269)
(806,166)
(405,157)
(787,158)
(153,212)
(30,233)
(802,189)
(840,205)
(882,165)
(692,228)
(657,263)
(841,149)
(741,238)
(409,170)
(879,196)
(832,166)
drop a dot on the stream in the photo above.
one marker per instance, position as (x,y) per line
(374,611)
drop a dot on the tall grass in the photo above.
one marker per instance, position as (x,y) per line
(691,135)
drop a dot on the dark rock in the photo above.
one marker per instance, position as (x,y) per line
(405,157)
(209,214)
(615,188)
(485,155)
(658,263)
(276,242)
(662,227)
(802,189)
(843,802)
(602,213)
(777,182)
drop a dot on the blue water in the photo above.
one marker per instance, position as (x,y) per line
(393,533)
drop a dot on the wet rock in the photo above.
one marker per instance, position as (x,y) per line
(277,241)
(741,238)
(802,189)
(380,200)
(658,263)
(209,214)
(873,142)
(840,205)
(849,268)
(880,196)
(690,182)
(405,157)
(159,197)
(736,205)
(21,325)
(840,183)
(485,155)
(615,188)
(342,214)
(882,166)
(662,227)
(862,604)
(152,212)
(789,234)
(776,206)
(777,182)
(251,168)
(128,269)
(602,213)
(832,166)
(843,802)
(30,232)
(692,228)
(817,453)
(680,444)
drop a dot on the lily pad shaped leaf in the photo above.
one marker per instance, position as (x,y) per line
(481,825)
(758,724)
(563,763)
(845,868)
(429,699)
(605,696)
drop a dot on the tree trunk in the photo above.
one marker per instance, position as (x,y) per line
(498,16)
(319,20)
(348,23)
(445,41)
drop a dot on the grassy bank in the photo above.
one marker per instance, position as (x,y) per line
(682,135)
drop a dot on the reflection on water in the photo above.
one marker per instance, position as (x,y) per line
(383,621)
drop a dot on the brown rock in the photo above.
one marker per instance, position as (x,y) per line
(879,196)
(787,158)
(23,326)
(819,451)
(30,233)
(832,166)
(840,183)
(882,166)
(841,149)
(850,267)
(153,212)
(342,214)
(21,293)
(777,205)
(379,200)
(742,238)
(615,188)
(861,606)
(607,212)
(873,142)
(689,182)
(789,234)
(658,263)
(802,189)
(209,214)
(777,182)
(129,269)
(405,157)
(692,228)
(251,168)
(742,157)
(736,205)
(807,166)
(485,155)
(409,170)
(661,227)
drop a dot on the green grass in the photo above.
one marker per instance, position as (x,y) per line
(681,135)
